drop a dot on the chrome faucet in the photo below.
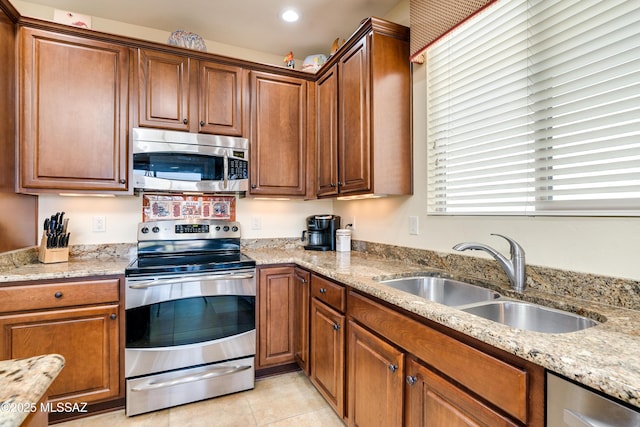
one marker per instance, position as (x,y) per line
(514,267)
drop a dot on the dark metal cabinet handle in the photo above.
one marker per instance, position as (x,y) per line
(58,294)
(122,181)
(113,316)
(202,123)
(411,380)
(393,368)
(323,291)
(185,121)
(336,326)
(332,185)
(254,186)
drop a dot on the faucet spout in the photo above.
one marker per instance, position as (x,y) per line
(513,266)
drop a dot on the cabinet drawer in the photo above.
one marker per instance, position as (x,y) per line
(328,292)
(63,294)
(496,381)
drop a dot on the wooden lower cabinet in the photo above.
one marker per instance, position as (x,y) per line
(432,401)
(374,380)
(377,365)
(454,383)
(86,337)
(327,353)
(275,316)
(302,279)
(80,319)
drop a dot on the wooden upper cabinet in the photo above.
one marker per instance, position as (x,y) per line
(220,95)
(164,90)
(327,133)
(354,143)
(73,113)
(371,111)
(180,93)
(278,135)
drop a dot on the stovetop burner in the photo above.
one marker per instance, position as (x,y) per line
(188,246)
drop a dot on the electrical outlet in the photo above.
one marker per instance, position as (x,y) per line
(414,225)
(99,224)
(352,221)
(256,223)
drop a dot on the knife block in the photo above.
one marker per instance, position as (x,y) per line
(51,255)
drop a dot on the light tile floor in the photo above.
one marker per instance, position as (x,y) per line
(284,400)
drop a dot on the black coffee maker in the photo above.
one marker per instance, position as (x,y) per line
(321,232)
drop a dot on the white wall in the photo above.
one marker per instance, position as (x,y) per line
(145,33)
(122,214)
(608,246)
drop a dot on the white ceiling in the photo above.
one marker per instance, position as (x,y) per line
(252,24)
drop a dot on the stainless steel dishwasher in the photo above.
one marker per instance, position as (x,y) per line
(572,405)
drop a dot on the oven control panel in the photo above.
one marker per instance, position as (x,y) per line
(188,230)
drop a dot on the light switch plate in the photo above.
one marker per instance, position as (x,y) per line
(414,225)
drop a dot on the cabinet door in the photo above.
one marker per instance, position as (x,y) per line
(278,128)
(73,113)
(163,90)
(432,401)
(275,317)
(301,318)
(354,142)
(86,337)
(327,354)
(375,380)
(220,94)
(327,133)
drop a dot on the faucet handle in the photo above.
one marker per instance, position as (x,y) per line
(516,249)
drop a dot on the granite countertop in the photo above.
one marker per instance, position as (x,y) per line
(23,382)
(604,357)
(92,260)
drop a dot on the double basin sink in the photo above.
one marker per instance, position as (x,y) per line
(491,305)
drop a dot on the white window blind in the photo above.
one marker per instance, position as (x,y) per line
(533,108)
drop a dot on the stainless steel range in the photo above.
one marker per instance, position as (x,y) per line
(190,315)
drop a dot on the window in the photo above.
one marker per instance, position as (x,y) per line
(533,108)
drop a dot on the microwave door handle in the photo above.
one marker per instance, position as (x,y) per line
(226,170)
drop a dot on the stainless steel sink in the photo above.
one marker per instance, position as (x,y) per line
(531,317)
(442,290)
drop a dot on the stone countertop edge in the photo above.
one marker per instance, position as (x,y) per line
(23,382)
(604,357)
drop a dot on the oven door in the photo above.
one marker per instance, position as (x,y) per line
(174,322)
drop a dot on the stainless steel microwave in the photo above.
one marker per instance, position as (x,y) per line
(189,162)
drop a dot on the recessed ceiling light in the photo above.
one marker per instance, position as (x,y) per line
(290,15)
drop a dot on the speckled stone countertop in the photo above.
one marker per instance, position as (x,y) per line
(605,357)
(23,382)
(93,260)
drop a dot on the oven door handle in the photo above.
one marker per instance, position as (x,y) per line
(215,372)
(162,282)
